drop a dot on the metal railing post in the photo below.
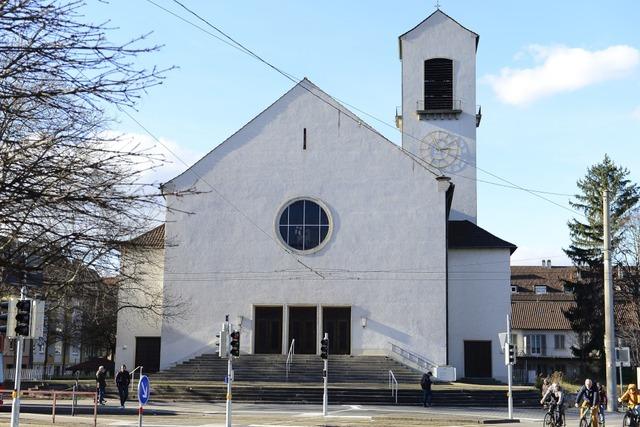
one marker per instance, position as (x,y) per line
(393,385)
(290,353)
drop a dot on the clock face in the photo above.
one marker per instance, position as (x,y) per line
(440,149)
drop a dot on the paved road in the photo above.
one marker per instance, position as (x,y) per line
(257,415)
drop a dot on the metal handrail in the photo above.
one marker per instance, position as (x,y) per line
(133,376)
(393,385)
(421,361)
(290,353)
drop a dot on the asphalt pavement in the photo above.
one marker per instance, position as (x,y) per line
(262,415)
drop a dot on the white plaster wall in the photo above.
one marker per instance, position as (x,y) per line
(441,37)
(388,215)
(134,323)
(570,339)
(479,302)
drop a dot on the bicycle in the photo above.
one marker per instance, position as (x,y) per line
(585,419)
(551,416)
(630,418)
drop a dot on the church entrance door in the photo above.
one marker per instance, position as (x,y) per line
(337,322)
(268,336)
(477,359)
(302,328)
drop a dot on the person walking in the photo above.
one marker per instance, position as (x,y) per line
(101,384)
(123,379)
(425,383)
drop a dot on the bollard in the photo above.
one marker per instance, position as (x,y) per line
(73,401)
(95,409)
(53,410)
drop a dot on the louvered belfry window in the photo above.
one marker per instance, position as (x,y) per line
(438,84)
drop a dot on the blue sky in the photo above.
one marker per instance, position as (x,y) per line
(558,81)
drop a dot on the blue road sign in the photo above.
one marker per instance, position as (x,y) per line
(144,390)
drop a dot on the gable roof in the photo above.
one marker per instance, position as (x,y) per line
(526,277)
(541,312)
(467,235)
(152,239)
(438,11)
(314,90)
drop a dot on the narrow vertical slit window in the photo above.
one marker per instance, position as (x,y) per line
(304,138)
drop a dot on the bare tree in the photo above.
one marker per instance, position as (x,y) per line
(69,193)
(628,286)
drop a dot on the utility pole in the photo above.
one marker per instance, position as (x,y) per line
(15,405)
(609,325)
(509,370)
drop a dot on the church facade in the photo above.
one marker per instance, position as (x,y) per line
(309,221)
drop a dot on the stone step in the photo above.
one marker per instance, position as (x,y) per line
(262,394)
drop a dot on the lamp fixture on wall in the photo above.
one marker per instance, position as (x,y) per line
(363,320)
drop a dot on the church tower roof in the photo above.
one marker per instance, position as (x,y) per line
(437,13)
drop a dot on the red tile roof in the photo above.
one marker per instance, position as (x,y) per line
(541,312)
(527,277)
(152,239)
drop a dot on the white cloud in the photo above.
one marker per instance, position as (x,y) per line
(560,69)
(635,114)
(167,166)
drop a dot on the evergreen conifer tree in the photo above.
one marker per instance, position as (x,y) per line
(585,250)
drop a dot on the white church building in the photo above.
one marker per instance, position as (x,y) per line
(309,221)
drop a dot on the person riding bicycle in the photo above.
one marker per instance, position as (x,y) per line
(555,396)
(632,398)
(604,400)
(588,397)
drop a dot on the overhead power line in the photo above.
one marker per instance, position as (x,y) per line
(230,41)
(225,199)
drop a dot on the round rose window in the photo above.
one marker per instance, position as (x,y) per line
(304,225)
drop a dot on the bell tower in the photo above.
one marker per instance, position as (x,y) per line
(439,114)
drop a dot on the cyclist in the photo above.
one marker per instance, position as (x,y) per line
(604,400)
(632,398)
(555,396)
(588,398)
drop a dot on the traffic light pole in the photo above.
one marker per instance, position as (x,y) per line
(229,372)
(325,374)
(15,405)
(509,370)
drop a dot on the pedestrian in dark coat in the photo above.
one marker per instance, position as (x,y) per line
(101,384)
(425,383)
(123,379)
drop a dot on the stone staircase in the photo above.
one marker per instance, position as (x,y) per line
(352,380)
(304,369)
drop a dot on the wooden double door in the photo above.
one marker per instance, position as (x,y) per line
(303,328)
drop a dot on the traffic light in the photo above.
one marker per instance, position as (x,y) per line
(23,318)
(223,344)
(4,315)
(8,314)
(324,348)
(510,354)
(235,343)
